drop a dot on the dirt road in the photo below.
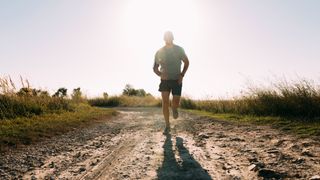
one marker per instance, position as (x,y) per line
(132,145)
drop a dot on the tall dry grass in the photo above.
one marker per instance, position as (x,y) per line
(296,99)
(28,101)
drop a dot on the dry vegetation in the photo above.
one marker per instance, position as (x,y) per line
(28,114)
(295,100)
(291,107)
(130,97)
(126,101)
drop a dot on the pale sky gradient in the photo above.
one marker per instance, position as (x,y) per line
(101,45)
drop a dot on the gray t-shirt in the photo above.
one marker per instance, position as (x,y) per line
(169,60)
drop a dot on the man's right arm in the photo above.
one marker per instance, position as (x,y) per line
(156,69)
(156,65)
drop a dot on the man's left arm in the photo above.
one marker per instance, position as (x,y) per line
(185,68)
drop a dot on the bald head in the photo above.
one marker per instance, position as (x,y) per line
(168,37)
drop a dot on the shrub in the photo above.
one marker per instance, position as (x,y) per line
(130,91)
(138,101)
(61,92)
(132,101)
(76,95)
(105,102)
(187,103)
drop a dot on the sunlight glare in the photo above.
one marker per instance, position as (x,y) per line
(145,21)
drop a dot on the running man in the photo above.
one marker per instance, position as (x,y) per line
(169,58)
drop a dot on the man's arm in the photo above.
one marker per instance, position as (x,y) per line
(184,70)
(156,69)
(185,66)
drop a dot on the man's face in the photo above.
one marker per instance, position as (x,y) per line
(168,37)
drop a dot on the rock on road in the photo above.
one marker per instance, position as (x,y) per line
(133,145)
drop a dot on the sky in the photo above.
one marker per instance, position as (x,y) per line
(102,45)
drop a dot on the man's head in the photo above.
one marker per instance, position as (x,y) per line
(168,37)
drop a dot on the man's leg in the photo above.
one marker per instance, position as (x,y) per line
(175,105)
(165,106)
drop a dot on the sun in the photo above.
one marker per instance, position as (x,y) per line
(146,20)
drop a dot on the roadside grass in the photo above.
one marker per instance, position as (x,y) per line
(126,101)
(293,107)
(294,126)
(26,130)
(298,99)
(136,101)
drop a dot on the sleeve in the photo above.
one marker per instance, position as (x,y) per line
(156,58)
(182,53)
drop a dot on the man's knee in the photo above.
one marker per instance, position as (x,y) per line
(165,103)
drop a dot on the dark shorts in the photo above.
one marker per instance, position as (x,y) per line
(171,86)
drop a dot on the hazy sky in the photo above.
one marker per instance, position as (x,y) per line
(101,45)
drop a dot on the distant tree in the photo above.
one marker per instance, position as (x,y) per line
(61,92)
(130,91)
(105,95)
(141,93)
(76,95)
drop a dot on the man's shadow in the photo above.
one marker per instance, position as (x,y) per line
(189,168)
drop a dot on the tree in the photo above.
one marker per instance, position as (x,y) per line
(141,93)
(130,91)
(105,95)
(76,95)
(61,93)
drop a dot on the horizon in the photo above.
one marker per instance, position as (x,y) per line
(101,46)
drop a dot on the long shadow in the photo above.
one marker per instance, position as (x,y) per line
(188,169)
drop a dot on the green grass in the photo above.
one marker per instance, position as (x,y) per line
(25,130)
(289,125)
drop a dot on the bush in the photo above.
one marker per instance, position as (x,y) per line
(187,103)
(105,102)
(130,91)
(138,101)
(76,96)
(125,101)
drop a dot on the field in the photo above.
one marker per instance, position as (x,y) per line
(29,114)
(274,131)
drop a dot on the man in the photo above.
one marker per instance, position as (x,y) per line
(169,58)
